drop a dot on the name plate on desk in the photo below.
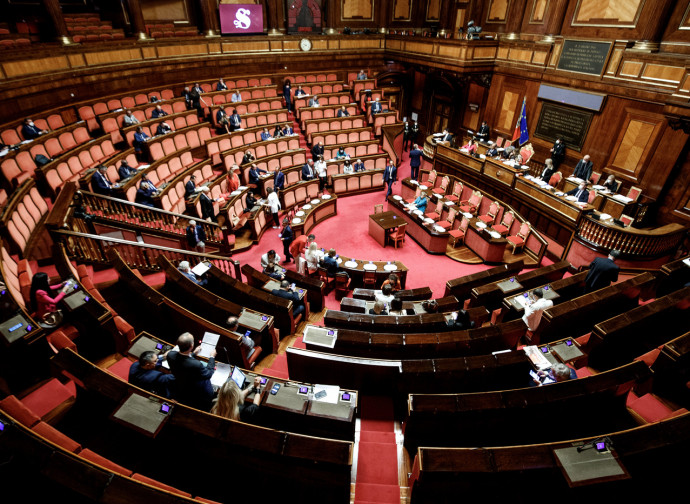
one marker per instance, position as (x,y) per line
(76,300)
(253,320)
(567,352)
(341,411)
(320,336)
(287,398)
(589,465)
(508,286)
(144,343)
(145,413)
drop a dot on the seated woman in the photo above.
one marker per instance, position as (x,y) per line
(230,401)
(419,203)
(397,307)
(347,166)
(548,170)
(41,302)
(471,146)
(611,184)
(393,281)
(341,154)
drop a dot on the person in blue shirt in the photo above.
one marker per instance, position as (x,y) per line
(144,195)
(236,97)
(421,201)
(187,271)
(341,154)
(235,121)
(358,166)
(265,135)
(140,139)
(288,131)
(158,112)
(330,262)
(362,75)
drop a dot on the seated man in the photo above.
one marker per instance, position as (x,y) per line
(255,174)
(288,130)
(100,183)
(378,309)
(140,139)
(358,166)
(146,374)
(220,85)
(236,97)
(145,192)
(558,373)
(314,102)
(376,106)
(125,171)
(30,130)
(163,129)
(308,171)
(247,341)
(187,271)
(265,135)
(343,112)
(192,376)
(196,237)
(269,257)
(580,192)
(330,262)
(129,119)
(235,121)
(299,91)
(535,309)
(287,292)
(158,112)
(493,151)
(362,75)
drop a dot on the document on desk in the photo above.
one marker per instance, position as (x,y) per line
(201,268)
(332,393)
(537,357)
(208,343)
(165,362)
(221,374)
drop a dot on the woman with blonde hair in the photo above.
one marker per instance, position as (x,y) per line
(230,401)
(313,255)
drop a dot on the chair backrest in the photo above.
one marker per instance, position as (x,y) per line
(527,151)
(524,230)
(499,141)
(457,189)
(378,208)
(432,177)
(439,207)
(508,219)
(369,275)
(476,198)
(444,182)
(341,279)
(555,179)
(401,231)
(626,220)
(464,223)
(634,193)
(592,195)
(493,209)
(595,177)
(451,215)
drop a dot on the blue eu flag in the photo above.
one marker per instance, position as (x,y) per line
(521,126)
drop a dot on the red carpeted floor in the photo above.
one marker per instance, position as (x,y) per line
(377,456)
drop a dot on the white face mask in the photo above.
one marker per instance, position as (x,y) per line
(31,123)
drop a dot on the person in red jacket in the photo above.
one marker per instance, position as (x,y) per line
(41,302)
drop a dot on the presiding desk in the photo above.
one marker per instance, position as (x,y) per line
(356,268)
(432,238)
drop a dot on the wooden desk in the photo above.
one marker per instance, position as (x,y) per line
(380,225)
(431,240)
(319,209)
(355,268)
(550,203)
(479,240)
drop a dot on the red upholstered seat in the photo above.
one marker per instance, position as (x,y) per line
(435,214)
(55,436)
(457,192)
(472,204)
(490,216)
(444,185)
(18,410)
(448,222)
(121,368)
(458,235)
(651,409)
(505,224)
(104,462)
(49,397)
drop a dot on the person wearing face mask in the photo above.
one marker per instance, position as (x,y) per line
(557,153)
(30,130)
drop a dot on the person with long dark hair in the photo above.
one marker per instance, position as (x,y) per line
(41,302)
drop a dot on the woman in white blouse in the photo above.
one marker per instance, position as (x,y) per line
(347,167)
(313,255)
(321,171)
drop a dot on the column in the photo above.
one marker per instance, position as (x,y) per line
(55,13)
(275,17)
(447,23)
(329,6)
(554,20)
(136,18)
(651,27)
(209,25)
(514,21)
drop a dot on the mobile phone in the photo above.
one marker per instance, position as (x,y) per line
(526,294)
(159,346)
(320,394)
(264,381)
(246,335)
(86,298)
(292,285)
(165,408)
(345,396)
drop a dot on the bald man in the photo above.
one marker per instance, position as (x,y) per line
(583,169)
(192,376)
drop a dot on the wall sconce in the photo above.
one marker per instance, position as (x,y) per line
(473,107)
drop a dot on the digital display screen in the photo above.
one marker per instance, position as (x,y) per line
(346,396)
(241,19)
(544,349)
(165,408)
(303,390)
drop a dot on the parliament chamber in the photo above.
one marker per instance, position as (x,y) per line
(144,136)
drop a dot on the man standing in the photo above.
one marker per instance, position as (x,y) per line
(415,161)
(390,176)
(286,236)
(308,170)
(602,271)
(192,377)
(146,374)
(278,179)
(196,237)
(583,169)
(557,153)
(406,135)
(484,131)
(286,292)
(317,150)
(535,309)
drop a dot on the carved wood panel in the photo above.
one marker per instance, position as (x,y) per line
(615,13)
(635,143)
(498,11)
(433,10)
(357,9)
(506,115)
(402,10)
(538,10)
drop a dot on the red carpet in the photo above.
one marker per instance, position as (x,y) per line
(279,368)
(377,456)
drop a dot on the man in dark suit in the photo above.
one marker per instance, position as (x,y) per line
(343,112)
(192,377)
(278,180)
(163,129)
(286,292)
(287,236)
(358,166)
(308,172)
(125,171)
(248,157)
(390,176)
(221,86)
(196,236)
(376,107)
(206,202)
(583,169)
(30,130)
(580,192)
(484,131)
(235,120)
(317,150)
(190,187)
(140,139)
(145,374)
(314,102)
(158,112)
(255,174)
(100,183)
(415,161)
(602,271)
(144,195)
(558,153)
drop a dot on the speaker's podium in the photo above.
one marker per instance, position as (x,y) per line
(590,463)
